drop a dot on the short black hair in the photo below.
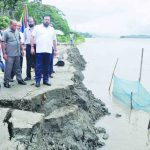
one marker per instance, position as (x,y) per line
(46,15)
(30,18)
(12,21)
(33,20)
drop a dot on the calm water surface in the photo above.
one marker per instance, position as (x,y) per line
(130,131)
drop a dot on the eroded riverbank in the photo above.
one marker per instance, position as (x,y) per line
(65,112)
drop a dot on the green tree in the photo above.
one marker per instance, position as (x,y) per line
(4,22)
(37,10)
(10,5)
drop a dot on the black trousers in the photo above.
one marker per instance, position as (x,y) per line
(30,59)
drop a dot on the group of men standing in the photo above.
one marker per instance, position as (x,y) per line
(40,44)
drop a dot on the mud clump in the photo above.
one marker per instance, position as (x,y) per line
(70,115)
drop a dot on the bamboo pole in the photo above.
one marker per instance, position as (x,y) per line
(149,125)
(141,65)
(131,107)
(113,75)
(131,100)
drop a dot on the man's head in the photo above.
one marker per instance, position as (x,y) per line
(19,26)
(46,20)
(31,22)
(13,25)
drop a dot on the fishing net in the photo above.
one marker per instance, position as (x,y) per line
(122,90)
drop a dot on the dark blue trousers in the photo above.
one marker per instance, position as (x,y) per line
(42,66)
(51,63)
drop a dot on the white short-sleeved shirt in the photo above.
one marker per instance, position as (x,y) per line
(27,35)
(1,53)
(21,37)
(44,37)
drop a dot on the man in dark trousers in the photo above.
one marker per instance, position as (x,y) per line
(11,47)
(30,58)
(45,40)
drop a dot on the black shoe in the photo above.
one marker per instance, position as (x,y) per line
(22,82)
(51,76)
(11,80)
(27,79)
(53,71)
(37,84)
(7,85)
(47,83)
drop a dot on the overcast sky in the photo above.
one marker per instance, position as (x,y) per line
(106,17)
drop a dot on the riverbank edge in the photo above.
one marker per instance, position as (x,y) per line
(70,114)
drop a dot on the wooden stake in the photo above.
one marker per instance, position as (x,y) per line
(113,74)
(149,125)
(141,65)
(131,100)
(131,107)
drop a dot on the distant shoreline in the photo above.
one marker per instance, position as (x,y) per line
(136,36)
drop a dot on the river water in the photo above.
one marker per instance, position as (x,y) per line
(128,132)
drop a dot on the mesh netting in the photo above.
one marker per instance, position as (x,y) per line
(122,90)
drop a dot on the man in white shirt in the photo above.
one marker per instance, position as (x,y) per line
(45,39)
(30,58)
(2,62)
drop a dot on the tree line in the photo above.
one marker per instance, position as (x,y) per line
(36,10)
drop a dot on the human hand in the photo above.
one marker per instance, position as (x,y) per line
(22,53)
(5,56)
(32,51)
(55,53)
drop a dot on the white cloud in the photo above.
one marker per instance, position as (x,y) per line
(114,17)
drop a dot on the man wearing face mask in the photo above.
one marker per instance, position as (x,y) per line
(30,58)
(45,40)
(11,46)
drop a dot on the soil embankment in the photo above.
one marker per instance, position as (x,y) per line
(58,118)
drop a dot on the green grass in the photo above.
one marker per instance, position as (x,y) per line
(66,39)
